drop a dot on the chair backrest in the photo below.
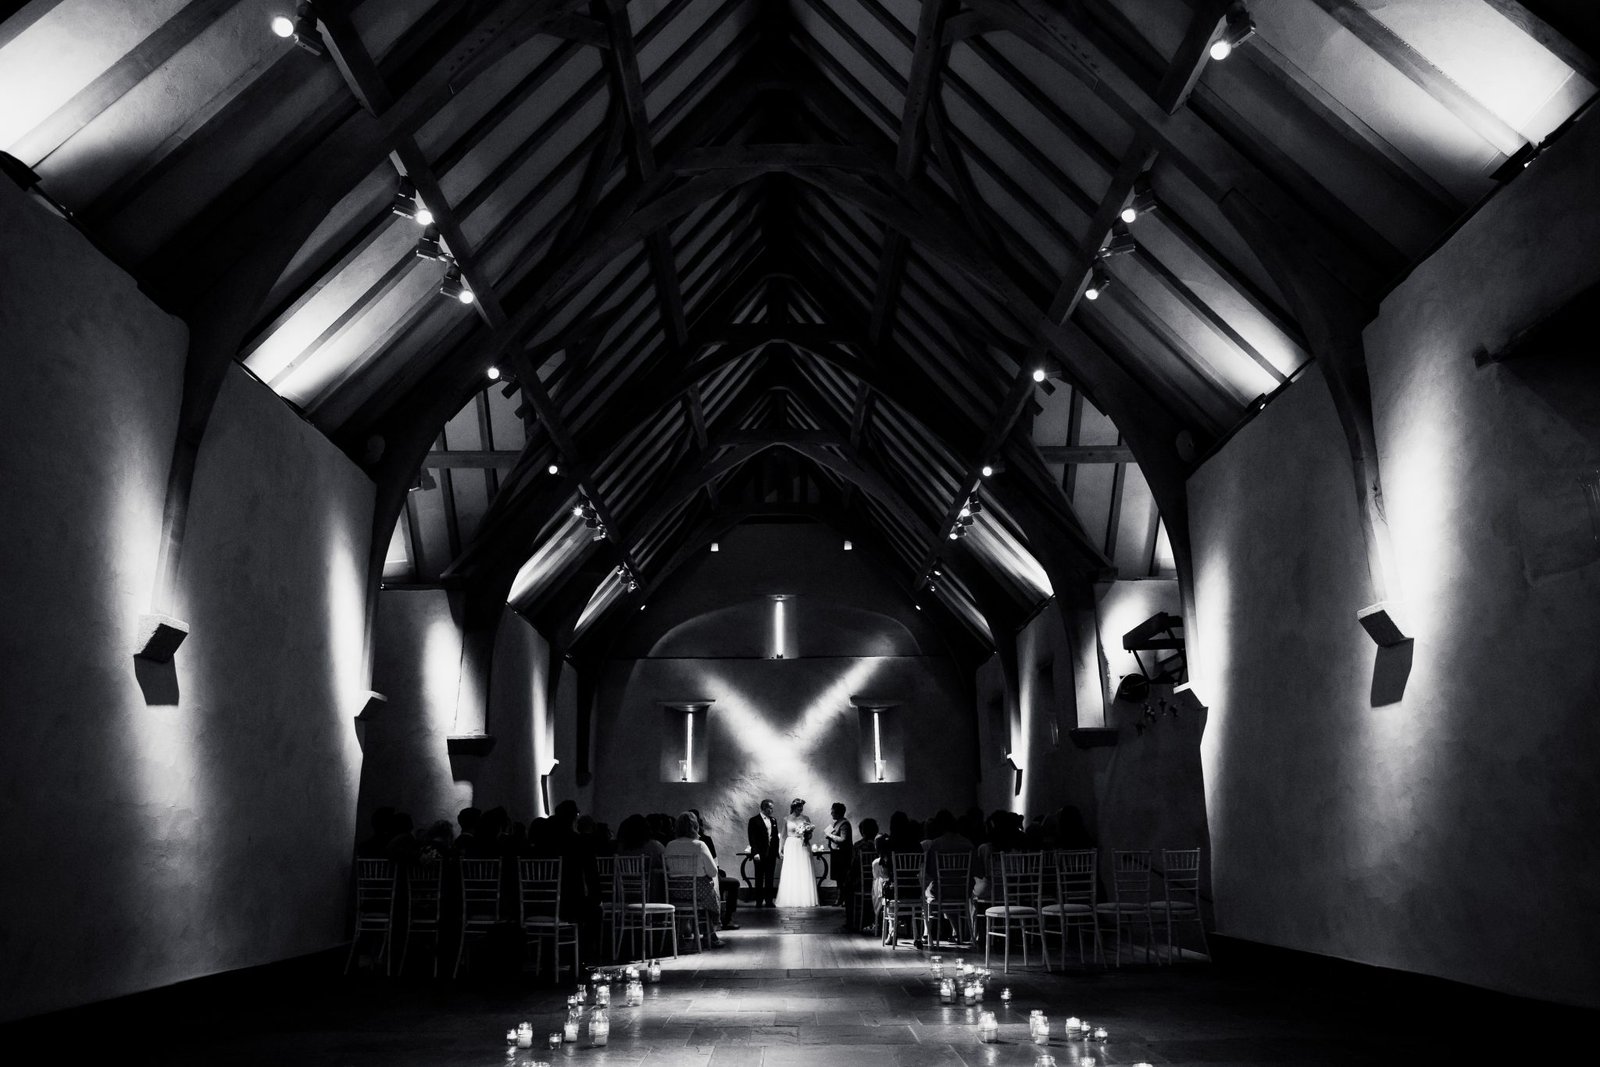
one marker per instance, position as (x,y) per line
(682,872)
(425,885)
(952,877)
(907,882)
(375,887)
(539,888)
(606,878)
(1020,875)
(1181,876)
(632,877)
(864,860)
(480,891)
(1130,876)
(1076,872)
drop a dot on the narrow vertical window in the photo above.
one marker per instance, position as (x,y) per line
(688,748)
(877,744)
(778,635)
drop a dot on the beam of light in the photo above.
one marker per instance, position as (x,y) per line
(785,757)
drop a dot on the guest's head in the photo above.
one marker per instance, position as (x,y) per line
(565,815)
(467,819)
(868,829)
(688,825)
(942,823)
(838,810)
(633,832)
(661,826)
(899,825)
(585,824)
(440,832)
(700,821)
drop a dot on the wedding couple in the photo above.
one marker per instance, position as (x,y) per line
(791,842)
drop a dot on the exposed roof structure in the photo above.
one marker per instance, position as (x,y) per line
(738,259)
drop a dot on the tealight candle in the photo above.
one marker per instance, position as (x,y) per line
(511,1036)
(602,996)
(1100,1033)
(988,1028)
(555,1039)
(569,1029)
(1041,1032)
(947,990)
(600,1027)
(655,971)
(1074,1024)
(525,1035)
(1005,995)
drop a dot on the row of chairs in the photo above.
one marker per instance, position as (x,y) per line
(1038,893)
(538,908)
(626,907)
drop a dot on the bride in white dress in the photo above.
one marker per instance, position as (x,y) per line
(797,883)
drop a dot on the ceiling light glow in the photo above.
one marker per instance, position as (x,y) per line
(283,26)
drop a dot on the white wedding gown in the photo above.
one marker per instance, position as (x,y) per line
(797,882)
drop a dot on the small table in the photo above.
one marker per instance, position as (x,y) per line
(818,852)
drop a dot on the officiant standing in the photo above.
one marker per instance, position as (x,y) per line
(764,841)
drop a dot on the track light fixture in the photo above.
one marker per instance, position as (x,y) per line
(302,28)
(993,467)
(598,533)
(1237,31)
(988,470)
(554,468)
(974,505)
(591,522)
(407,206)
(1099,282)
(1120,243)
(577,511)
(1143,201)
(452,285)
(428,246)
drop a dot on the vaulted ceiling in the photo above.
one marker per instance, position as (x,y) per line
(735,260)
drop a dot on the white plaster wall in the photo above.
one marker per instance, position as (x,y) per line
(209,831)
(1452,832)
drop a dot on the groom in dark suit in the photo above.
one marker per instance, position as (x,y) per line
(764,854)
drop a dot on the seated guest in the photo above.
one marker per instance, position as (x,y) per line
(437,843)
(727,888)
(687,843)
(377,846)
(1004,834)
(467,840)
(558,838)
(403,844)
(633,839)
(942,838)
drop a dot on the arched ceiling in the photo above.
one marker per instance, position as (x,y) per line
(741,259)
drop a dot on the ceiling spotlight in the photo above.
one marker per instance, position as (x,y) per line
(715,547)
(1238,30)
(974,505)
(493,373)
(453,286)
(554,468)
(1099,282)
(592,523)
(406,206)
(302,28)
(423,216)
(967,519)
(598,535)
(966,511)
(428,246)
(1121,242)
(577,511)
(917,606)
(641,607)
(1038,374)
(988,471)
(954,535)
(1143,201)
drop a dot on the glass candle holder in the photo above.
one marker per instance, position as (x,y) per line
(554,1039)
(1041,1031)
(1005,995)
(1033,1021)
(655,971)
(600,1027)
(511,1036)
(1074,1024)
(988,1028)
(1100,1033)
(569,1029)
(525,1035)
(602,996)
(947,990)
